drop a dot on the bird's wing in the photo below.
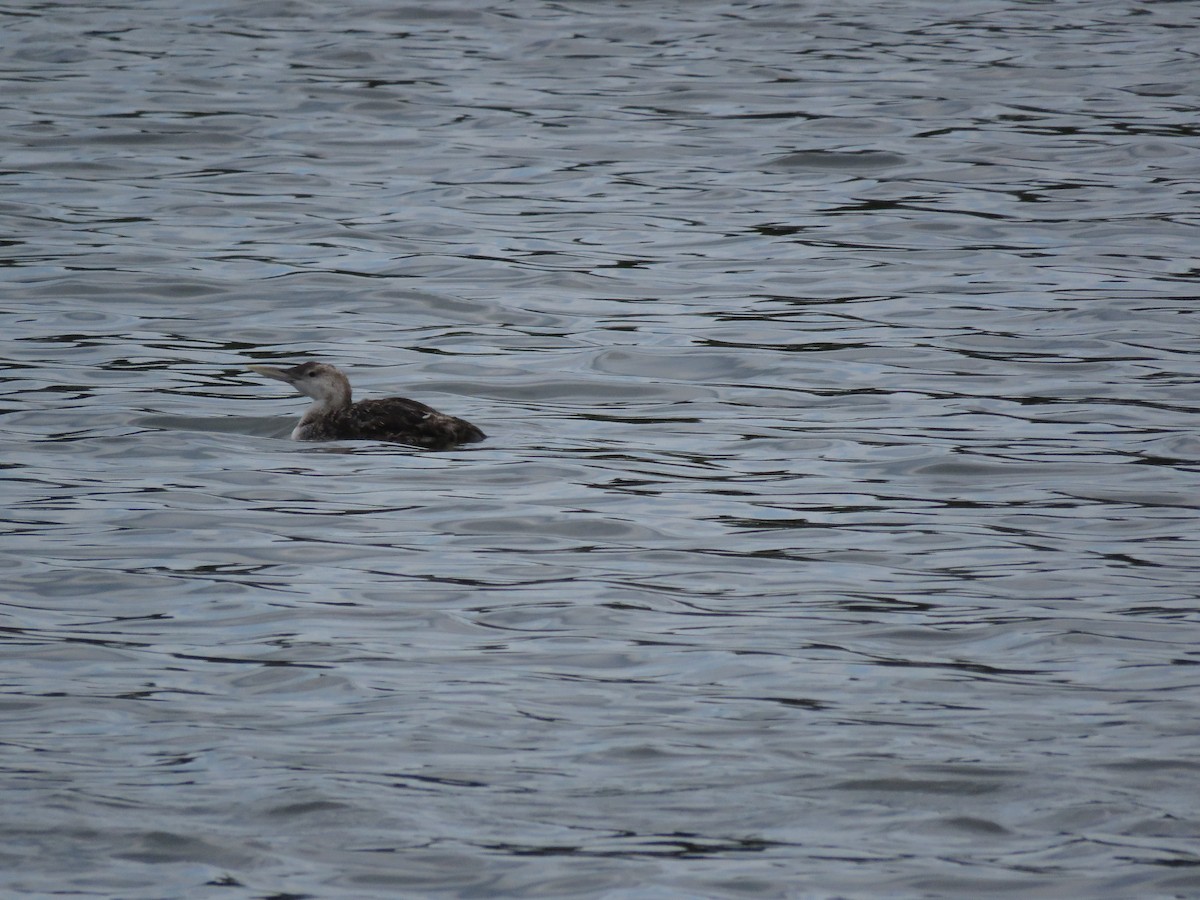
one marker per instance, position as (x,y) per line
(406,421)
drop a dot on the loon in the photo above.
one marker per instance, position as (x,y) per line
(333,417)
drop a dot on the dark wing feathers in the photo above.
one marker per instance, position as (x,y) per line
(403,421)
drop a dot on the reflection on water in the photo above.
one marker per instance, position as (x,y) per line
(837,521)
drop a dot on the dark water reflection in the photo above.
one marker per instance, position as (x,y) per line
(836,534)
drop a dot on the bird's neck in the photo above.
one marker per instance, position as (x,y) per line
(330,403)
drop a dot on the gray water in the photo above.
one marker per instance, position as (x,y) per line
(836,534)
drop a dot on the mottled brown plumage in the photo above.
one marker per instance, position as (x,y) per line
(333,415)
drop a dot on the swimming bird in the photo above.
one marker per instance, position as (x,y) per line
(334,417)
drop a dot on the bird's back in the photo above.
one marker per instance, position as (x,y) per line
(396,419)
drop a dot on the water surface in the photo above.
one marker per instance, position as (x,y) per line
(836,534)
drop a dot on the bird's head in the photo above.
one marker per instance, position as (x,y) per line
(324,383)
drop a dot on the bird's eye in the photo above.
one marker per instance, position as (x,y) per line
(312,374)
